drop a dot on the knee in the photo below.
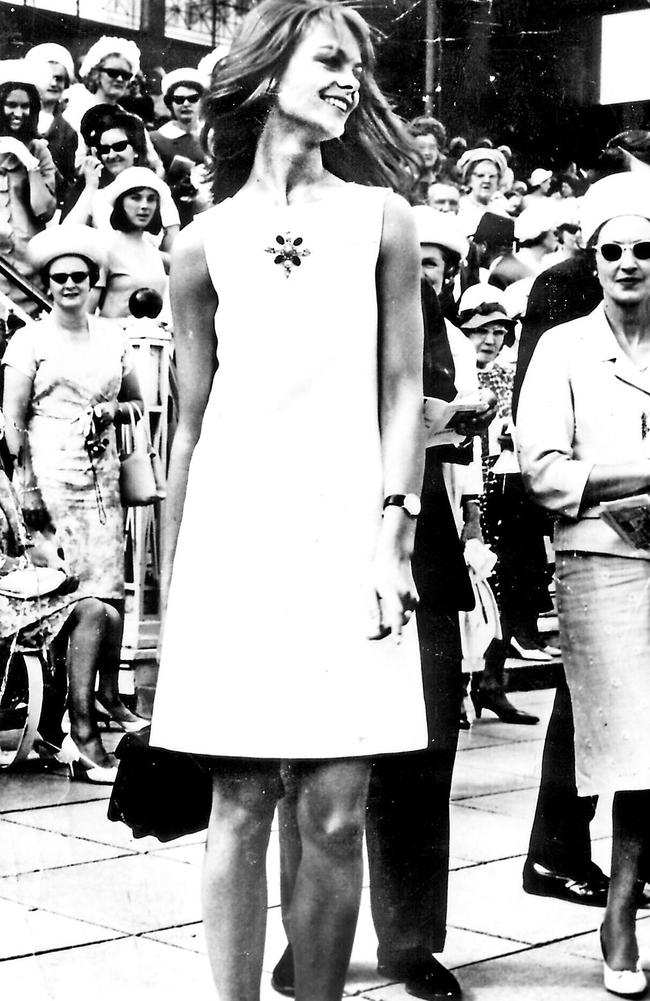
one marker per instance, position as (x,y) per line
(332,829)
(91,613)
(241,817)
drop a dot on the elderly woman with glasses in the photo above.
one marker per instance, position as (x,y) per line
(582,430)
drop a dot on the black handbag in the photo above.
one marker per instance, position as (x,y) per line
(159,792)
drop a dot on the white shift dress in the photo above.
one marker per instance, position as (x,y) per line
(266,652)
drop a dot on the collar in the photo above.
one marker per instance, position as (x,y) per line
(171,130)
(607,349)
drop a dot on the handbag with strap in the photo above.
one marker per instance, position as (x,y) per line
(159,792)
(141,477)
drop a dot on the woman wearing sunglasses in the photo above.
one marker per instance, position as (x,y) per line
(105,71)
(69,380)
(583,437)
(118,144)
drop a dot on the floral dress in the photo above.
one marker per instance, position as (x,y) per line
(80,492)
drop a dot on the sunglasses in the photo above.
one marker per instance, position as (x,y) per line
(613,252)
(118,147)
(61,277)
(118,74)
(190,98)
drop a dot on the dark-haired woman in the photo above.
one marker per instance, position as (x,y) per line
(117,141)
(69,379)
(27,174)
(309,390)
(133,261)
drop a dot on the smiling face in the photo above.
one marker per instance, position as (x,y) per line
(110,152)
(110,86)
(16,109)
(320,86)
(139,207)
(69,294)
(483,181)
(625,282)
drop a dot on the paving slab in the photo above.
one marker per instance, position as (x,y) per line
(24,850)
(27,931)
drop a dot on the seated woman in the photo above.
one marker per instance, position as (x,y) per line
(133,262)
(117,142)
(69,380)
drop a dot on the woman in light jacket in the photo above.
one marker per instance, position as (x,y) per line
(583,439)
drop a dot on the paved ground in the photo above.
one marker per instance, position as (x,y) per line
(87,912)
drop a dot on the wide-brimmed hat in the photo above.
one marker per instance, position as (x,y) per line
(51,52)
(109,45)
(616,195)
(68,239)
(186,75)
(538,176)
(440,228)
(131,178)
(471,157)
(481,304)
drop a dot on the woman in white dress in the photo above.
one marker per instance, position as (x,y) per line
(299,348)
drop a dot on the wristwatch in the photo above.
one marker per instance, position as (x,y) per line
(408,502)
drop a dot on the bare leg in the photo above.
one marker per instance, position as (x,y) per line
(325,905)
(108,691)
(88,626)
(234,874)
(290,850)
(630,840)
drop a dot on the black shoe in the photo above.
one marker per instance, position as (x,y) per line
(282,978)
(498,703)
(544,883)
(427,979)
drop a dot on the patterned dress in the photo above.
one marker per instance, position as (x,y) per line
(81,494)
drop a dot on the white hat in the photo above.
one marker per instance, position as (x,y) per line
(616,195)
(441,229)
(134,177)
(209,61)
(534,221)
(186,75)
(538,176)
(109,45)
(18,71)
(68,239)
(473,156)
(50,52)
(480,295)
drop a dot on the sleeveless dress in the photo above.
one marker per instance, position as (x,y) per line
(265,653)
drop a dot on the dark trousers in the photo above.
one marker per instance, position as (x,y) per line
(408,808)
(560,838)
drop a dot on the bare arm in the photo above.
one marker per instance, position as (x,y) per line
(400,406)
(194,304)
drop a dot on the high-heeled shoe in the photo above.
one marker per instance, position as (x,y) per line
(625,983)
(498,703)
(81,767)
(106,716)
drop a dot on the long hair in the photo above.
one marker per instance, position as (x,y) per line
(374,149)
(29,129)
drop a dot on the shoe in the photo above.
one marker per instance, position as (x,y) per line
(106,715)
(625,983)
(463,722)
(552,651)
(81,767)
(498,703)
(529,651)
(542,882)
(427,979)
(282,978)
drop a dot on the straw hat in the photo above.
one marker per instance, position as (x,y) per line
(480,295)
(134,177)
